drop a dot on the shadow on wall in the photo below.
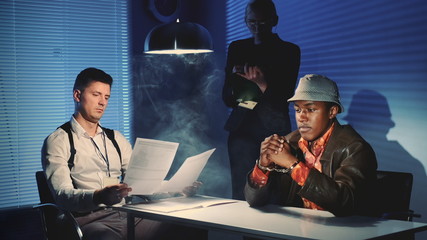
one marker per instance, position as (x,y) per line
(370,115)
(178,98)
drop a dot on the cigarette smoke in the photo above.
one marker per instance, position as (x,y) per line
(178,98)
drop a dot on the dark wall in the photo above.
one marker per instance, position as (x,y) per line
(178,97)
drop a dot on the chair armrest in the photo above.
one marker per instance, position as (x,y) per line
(58,223)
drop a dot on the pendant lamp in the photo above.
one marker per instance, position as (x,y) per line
(178,38)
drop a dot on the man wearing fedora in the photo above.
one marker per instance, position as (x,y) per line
(323,165)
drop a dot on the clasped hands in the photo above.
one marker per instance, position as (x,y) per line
(275,150)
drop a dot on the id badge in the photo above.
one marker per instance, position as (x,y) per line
(248,104)
(107,181)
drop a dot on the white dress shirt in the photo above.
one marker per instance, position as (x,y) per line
(74,189)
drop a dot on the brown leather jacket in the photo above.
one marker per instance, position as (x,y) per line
(344,187)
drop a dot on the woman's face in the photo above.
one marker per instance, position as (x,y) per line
(259,24)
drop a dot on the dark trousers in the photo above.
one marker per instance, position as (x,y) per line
(243,150)
(246,132)
(112,225)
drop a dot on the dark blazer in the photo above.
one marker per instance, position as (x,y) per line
(280,62)
(344,186)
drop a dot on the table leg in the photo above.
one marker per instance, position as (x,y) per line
(131,226)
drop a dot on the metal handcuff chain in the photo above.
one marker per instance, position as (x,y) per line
(280,170)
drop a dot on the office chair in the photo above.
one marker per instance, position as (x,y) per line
(57,223)
(394,195)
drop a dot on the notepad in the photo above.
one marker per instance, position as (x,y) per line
(168,205)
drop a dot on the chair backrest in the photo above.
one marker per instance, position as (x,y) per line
(57,223)
(394,194)
(45,194)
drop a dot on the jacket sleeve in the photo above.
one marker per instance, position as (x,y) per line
(227,90)
(279,189)
(256,196)
(345,191)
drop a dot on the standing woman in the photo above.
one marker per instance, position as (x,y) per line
(260,74)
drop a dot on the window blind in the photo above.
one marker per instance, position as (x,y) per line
(43,46)
(376,51)
(235,24)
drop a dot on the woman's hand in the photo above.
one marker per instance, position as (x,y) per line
(253,74)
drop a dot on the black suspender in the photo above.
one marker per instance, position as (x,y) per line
(109,132)
(67,128)
(110,135)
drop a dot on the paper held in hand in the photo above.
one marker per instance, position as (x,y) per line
(150,162)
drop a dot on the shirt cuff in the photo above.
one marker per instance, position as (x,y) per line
(258,177)
(300,173)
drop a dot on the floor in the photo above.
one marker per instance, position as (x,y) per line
(20,224)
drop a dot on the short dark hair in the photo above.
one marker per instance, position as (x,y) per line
(266,7)
(89,75)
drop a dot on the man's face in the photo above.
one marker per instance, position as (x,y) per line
(93,100)
(313,118)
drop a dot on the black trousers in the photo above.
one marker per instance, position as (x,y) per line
(111,224)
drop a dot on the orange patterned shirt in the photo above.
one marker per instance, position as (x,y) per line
(299,174)
(312,156)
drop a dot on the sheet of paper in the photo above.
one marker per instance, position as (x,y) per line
(149,165)
(183,203)
(187,173)
(248,104)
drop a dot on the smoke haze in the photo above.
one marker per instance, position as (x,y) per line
(178,98)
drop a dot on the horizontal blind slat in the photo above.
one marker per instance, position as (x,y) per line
(43,46)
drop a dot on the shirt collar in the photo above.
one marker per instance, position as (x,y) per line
(320,143)
(79,130)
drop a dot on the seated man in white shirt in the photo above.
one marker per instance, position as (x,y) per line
(84,163)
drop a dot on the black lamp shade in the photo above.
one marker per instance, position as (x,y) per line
(178,38)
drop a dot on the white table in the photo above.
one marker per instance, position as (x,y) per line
(274,222)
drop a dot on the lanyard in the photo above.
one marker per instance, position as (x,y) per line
(105,158)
